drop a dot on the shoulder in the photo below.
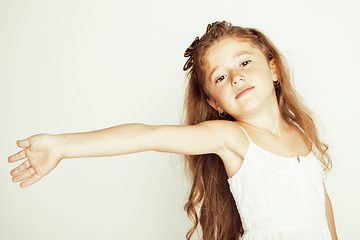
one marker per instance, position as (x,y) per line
(223,127)
(231,134)
(220,123)
(234,143)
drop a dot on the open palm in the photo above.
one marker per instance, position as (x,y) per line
(43,153)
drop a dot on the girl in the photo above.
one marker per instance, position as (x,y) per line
(251,146)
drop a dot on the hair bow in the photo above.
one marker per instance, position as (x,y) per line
(189,50)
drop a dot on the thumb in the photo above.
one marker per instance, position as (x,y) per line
(23,143)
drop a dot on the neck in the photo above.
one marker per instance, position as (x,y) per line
(267,119)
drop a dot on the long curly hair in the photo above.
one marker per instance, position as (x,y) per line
(210,201)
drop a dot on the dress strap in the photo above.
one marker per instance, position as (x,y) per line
(246,134)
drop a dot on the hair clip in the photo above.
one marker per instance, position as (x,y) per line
(188,53)
(189,50)
(209,27)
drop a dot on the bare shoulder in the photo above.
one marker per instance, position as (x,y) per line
(222,125)
(233,136)
(227,129)
(235,144)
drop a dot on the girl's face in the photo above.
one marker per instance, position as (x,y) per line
(238,78)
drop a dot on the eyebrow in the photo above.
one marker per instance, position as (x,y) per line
(238,54)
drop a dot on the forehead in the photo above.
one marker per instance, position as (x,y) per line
(228,48)
(223,52)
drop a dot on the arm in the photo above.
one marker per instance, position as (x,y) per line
(330,215)
(45,151)
(131,138)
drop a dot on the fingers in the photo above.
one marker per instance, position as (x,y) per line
(21,168)
(25,175)
(30,181)
(29,177)
(24,172)
(18,156)
(23,143)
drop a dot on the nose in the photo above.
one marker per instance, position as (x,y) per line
(236,77)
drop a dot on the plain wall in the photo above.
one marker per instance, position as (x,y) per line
(76,66)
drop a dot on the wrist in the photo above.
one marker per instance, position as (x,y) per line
(62,143)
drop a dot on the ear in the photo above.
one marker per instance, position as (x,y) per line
(273,69)
(212,102)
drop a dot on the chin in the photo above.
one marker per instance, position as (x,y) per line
(249,107)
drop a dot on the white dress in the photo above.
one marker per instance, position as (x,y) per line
(280,198)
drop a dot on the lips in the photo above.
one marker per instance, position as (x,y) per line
(243,91)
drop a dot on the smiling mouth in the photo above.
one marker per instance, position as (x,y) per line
(243,92)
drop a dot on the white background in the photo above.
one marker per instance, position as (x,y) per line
(75,66)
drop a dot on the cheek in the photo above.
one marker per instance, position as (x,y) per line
(222,92)
(265,79)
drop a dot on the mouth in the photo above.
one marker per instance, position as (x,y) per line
(243,91)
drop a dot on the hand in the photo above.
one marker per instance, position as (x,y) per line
(43,153)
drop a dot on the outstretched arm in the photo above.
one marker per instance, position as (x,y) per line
(135,137)
(45,151)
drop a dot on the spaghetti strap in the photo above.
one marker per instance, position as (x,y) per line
(246,134)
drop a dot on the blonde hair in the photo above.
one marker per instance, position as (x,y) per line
(218,215)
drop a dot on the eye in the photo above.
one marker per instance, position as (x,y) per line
(220,79)
(245,63)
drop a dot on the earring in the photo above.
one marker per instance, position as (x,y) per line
(223,114)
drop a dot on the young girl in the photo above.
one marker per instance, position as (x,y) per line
(251,146)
